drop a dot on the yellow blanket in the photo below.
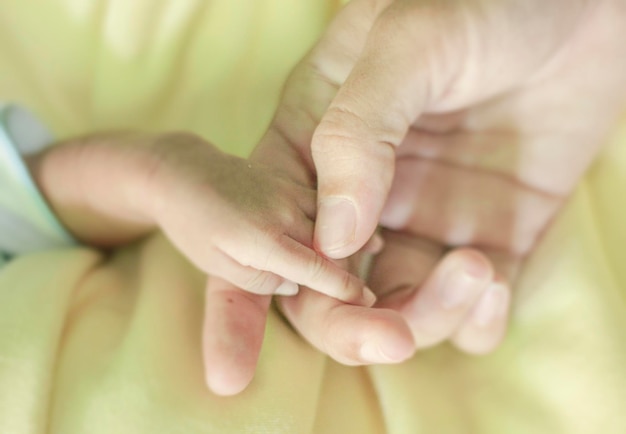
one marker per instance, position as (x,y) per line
(111,344)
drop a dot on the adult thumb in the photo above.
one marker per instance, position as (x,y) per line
(353,147)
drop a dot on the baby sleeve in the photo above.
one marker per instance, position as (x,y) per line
(27,223)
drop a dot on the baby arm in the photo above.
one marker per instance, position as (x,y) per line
(243,222)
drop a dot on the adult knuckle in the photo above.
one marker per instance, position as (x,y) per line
(339,120)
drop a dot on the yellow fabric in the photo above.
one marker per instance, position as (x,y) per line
(110,344)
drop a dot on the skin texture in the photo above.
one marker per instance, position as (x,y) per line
(243,222)
(445,123)
(459,127)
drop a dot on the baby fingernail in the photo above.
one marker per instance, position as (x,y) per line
(492,306)
(287,288)
(375,244)
(368,296)
(336,224)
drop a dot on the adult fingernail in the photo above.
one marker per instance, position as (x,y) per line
(385,351)
(336,224)
(458,289)
(492,306)
(371,353)
(287,288)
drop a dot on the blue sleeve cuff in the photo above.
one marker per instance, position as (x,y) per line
(27,223)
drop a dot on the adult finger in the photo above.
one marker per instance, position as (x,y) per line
(485,327)
(234,323)
(353,147)
(433,199)
(352,335)
(436,295)
(402,266)
(447,296)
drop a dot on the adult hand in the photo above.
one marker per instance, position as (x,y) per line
(482,85)
(491,112)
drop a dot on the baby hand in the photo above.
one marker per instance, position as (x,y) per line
(242,221)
